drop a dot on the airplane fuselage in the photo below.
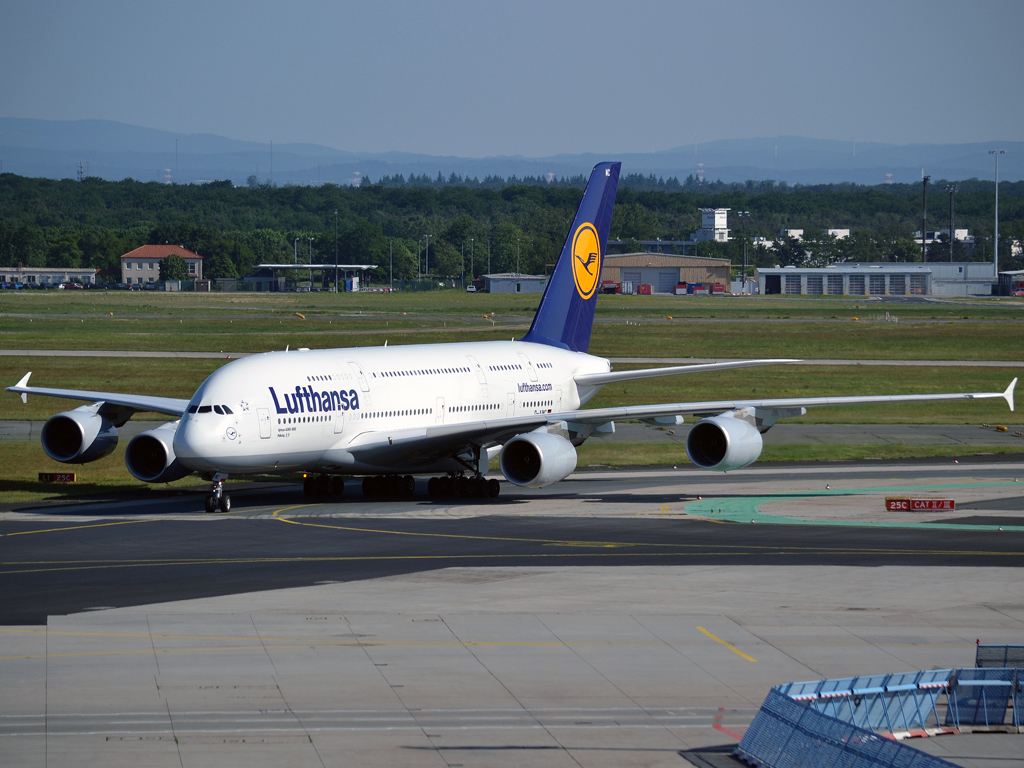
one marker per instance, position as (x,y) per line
(286,411)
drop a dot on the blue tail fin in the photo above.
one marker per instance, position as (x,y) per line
(566,312)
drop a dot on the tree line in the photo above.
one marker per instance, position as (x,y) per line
(472,227)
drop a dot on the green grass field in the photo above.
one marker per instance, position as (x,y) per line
(657,327)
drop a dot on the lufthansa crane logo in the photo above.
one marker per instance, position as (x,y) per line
(586,259)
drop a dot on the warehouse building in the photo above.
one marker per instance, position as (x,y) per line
(47,276)
(510,282)
(886,279)
(143,264)
(663,271)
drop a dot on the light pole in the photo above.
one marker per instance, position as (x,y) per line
(472,260)
(295,254)
(995,237)
(924,216)
(311,263)
(335,251)
(391,263)
(952,189)
(488,255)
(463,263)
(743,236)
(426,261)
(517,257)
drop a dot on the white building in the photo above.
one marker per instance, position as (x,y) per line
(48,276)
(714,226)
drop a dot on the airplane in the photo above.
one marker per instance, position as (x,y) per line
(388,413)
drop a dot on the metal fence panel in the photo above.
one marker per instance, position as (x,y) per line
(999,656)
(983,704)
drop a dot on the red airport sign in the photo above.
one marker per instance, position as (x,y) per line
(919,505)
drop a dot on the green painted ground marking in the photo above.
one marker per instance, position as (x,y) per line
(747,508)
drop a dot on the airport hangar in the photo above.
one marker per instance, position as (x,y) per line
(880,279)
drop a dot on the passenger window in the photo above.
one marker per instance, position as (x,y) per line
(228,410)
(218,409)
(204,409)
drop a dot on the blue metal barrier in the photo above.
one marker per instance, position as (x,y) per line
(787,734)
(834,722)
(892,702)
(999,656)
(982,696)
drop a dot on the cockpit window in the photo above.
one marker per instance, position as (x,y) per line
(205,409)
(228,410)
(193,408)
(218,409)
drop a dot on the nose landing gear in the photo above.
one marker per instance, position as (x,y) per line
(216,498)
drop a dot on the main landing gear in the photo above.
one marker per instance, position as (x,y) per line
(216,498)
(476,487)
(389,485)
(321,486)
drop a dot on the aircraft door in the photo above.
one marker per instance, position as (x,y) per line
(363,385)
(511,405)
(439,411)
(339,422)
(558,401)
(263,417)
(477,369)
(528,366)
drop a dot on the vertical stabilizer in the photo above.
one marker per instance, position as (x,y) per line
(566,312)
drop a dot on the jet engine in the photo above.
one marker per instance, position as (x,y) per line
(150,455)
(537,459)
(723,443)
(79,436)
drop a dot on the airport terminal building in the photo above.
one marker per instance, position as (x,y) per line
(883,279)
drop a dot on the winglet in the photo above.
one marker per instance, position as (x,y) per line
(24,383)
(1008,394)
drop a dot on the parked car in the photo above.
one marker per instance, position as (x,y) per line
(1018,293)
(73,287)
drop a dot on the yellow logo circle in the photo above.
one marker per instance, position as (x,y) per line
(586,259)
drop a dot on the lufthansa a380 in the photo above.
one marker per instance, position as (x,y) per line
(387,413)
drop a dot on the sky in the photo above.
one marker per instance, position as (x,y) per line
(477,79)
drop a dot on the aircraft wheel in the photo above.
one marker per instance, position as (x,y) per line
(368,485)
(409,485)
(493,489)
(225,503)
(309,487)
(479,488)
(211,504)
(432,488)
(337,485)
(465,487)
(323,485)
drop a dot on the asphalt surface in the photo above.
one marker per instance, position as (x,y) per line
(122,552)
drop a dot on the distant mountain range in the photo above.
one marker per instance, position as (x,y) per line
(111,150)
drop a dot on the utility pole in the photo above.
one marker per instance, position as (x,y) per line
(335,251)
(295,254)
(952,189)
(391,263)
(463,263)
(743,215)
(924,215)
(488,255)
(517,257)
(995,236)
(426,261)
(472,260)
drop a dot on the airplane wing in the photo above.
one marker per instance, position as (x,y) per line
(409,447)
(612,377)
(168,405)
(714,407)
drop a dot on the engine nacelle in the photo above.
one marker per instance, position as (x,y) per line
(537,459)
(723,443)
(150,455)
(79,436)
